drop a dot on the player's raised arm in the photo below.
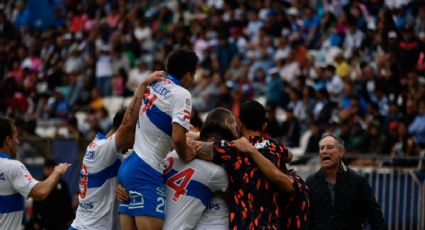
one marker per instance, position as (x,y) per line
(132,111)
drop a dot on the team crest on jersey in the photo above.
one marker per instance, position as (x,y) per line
(2,177)
(90,155)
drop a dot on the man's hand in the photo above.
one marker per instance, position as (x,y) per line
(61,168)
(192,147)
(155,76)
(243,145)
(193,135)
(122,194)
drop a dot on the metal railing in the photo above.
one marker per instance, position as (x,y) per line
(400,192)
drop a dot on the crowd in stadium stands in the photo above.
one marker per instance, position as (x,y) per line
(354,68)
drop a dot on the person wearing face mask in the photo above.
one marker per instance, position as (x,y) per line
(340,198)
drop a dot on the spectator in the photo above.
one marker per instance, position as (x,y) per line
(58,107)
(291,128)
(340,198)
(55,212)
(417,128)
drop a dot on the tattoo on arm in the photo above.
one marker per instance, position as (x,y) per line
(207,151)
(136,99)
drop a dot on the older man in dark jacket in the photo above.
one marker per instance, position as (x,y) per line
(340,198)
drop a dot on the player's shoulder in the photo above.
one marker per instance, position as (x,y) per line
(94,149)
(11,166)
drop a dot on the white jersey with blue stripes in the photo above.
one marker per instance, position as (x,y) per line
(189,189)
(98,208)
(215,216)
(15,186)
(164,103)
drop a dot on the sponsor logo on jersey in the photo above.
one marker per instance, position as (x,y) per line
(2,177)
(87,206)
(212,206)
(263,144)
(160,191)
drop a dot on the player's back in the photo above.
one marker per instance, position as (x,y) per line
(189,188)
(164,102)
(98,208)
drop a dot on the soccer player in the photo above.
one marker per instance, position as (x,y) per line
(295,203)
(16,183)
(254,202)
(190,187)
(219,124)
(98,208)
(163,122)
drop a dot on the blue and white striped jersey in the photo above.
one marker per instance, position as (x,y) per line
(189,189)
(98,208)
(164,103)
(15,186)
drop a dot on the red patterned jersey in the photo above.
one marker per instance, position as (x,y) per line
(254,201)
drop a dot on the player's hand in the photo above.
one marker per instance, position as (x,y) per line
(193,135)
(122,194)
(155,76)
(243,145)
(192,147)
(61,168)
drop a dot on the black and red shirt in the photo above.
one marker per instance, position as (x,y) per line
(254,201)
(295,205)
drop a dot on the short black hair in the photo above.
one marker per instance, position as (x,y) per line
(217,130)
(180,62)
(116,122)
(219,115)
(6,129)
(252,114)
(49,163)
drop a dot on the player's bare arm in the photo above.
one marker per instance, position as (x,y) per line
(205,150)
(41,190)
(272,173)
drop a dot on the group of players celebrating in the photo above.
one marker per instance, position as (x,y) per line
(225,176)
(179,178)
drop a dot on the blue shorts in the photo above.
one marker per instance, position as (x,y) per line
(146,188)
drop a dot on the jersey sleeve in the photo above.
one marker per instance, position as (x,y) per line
(108,151)
(218,181)
(21,179)
(225,154)
(182,108)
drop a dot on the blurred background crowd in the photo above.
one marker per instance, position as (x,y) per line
(354,68)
